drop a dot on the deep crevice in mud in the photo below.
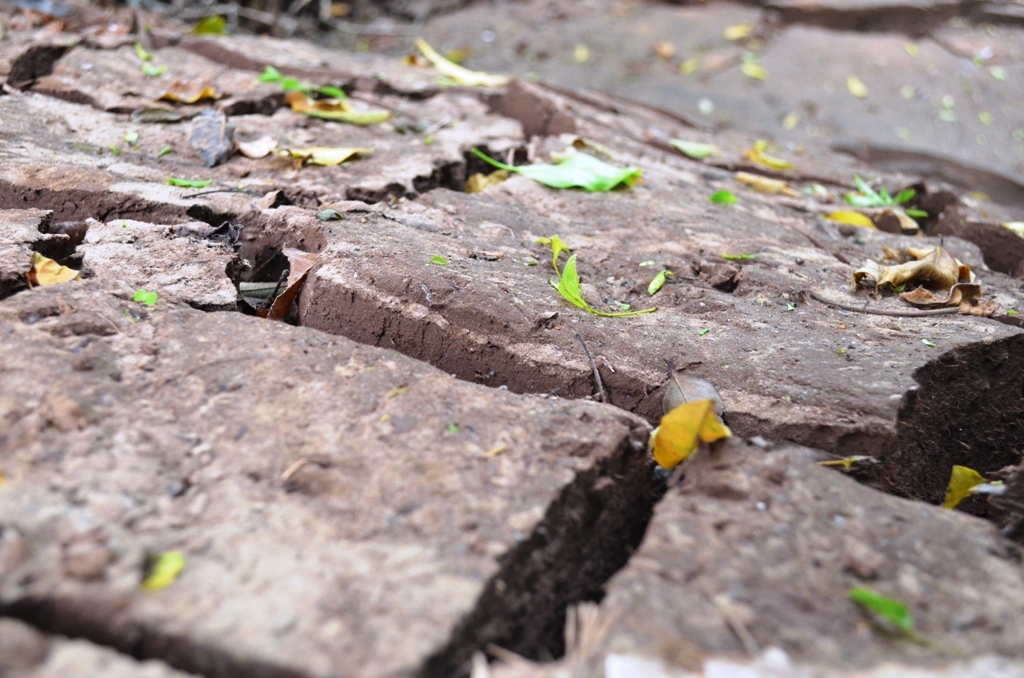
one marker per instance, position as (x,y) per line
(588,534)
(969,410)
(81,204)
(98,624)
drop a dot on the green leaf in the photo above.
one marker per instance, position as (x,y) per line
(330,214)
(141,52)
(1011,311)
(438,260)
(645,264)
(790,306)
(453,428)
(145,297)
(723,197)
(568,284)
(579,170)
(904,196)
(888,609)
(151,71)
(164,151)
(211,25)
(332,92)
(270,74)
(190,183)
(701,333)
(738,257)
(917,214)
(115,150)
(694,149)
(131,136)
(163,570)
(928,342)
(659,281)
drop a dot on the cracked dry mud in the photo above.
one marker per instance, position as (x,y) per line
(416,473)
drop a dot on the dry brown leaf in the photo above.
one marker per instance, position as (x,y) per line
(936,268)
(45,271)
(334,109)
(478,182)
(954,296)
(299,263)
(190,92)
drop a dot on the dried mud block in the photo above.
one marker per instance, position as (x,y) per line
(176,261)
(539,114)
(27,653)
(759,548)
(342,509)
(21,231)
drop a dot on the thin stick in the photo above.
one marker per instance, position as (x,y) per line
(883,311)
(593,365)
(223,190)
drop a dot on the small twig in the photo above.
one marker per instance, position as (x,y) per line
(883,311)
(593,365)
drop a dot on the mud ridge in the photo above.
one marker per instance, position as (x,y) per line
(97,623)
(81,204)
(588,534)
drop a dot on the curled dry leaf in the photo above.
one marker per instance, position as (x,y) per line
(936,268)
(324,155)
(45,271)
(757,155)
(895,221)
(299,263)
(954,296)
(852,218)
(765,184)
(258,148)
(683,428)
(190,92)
(478,182)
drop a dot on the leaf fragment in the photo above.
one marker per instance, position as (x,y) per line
(299,264)
(211,25)
(962,481)
(324,155)
(141,52)
(847,462)
(145,297)
(568,284)
(737,31)
(694,149)
(478,182)
(758,156)
(936,268)
(856,86)
(189,183)
(334,109)
(852,218)
(887,609)
(682,428)
(152,70)
(753,70)
(765,184)
(190,91)
(257,148)
(738,257)
(659,281)
(438,260)
(929,342)
(44,271)
(723,197)
(163,570)
(459,74)
(578,170)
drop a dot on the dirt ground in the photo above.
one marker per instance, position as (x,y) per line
(423,460)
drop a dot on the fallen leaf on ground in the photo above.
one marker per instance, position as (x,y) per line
(257,148)
(163,570)
(723,197)
(765,184)
(189,183)
(962,481)
(568,284)
(758,156)
(694,149)
(954,296)
(438,260)
(190,92)
(936,268)
(299,263)
(478,182)
(145,297)
(683,427)
(659,281)
(852,218)
(579,170)
(324,155)
(753,70)
(848,462)
(459,74)
(338,110)
(737,31)
(163,115)
(211,25)
(44,271)
(856,86)
(888,610)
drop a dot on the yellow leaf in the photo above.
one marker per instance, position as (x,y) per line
(325,155)
(689,66)
(460,75)
(334,109)
(846,462)
(852,218)
(765,184)
(791,120)
(580,53)
(45,271)
(190,92)
(753,70)
(961,481)
(737,31)
(164,570)
(758,156)
(681,428)
(478,183)
(856,86)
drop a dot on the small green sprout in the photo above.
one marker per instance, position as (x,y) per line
(189,183)
(888,610)
(438,260)
(867,197)
(145,297)
(702,332)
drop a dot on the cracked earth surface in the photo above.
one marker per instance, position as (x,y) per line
(411,473)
